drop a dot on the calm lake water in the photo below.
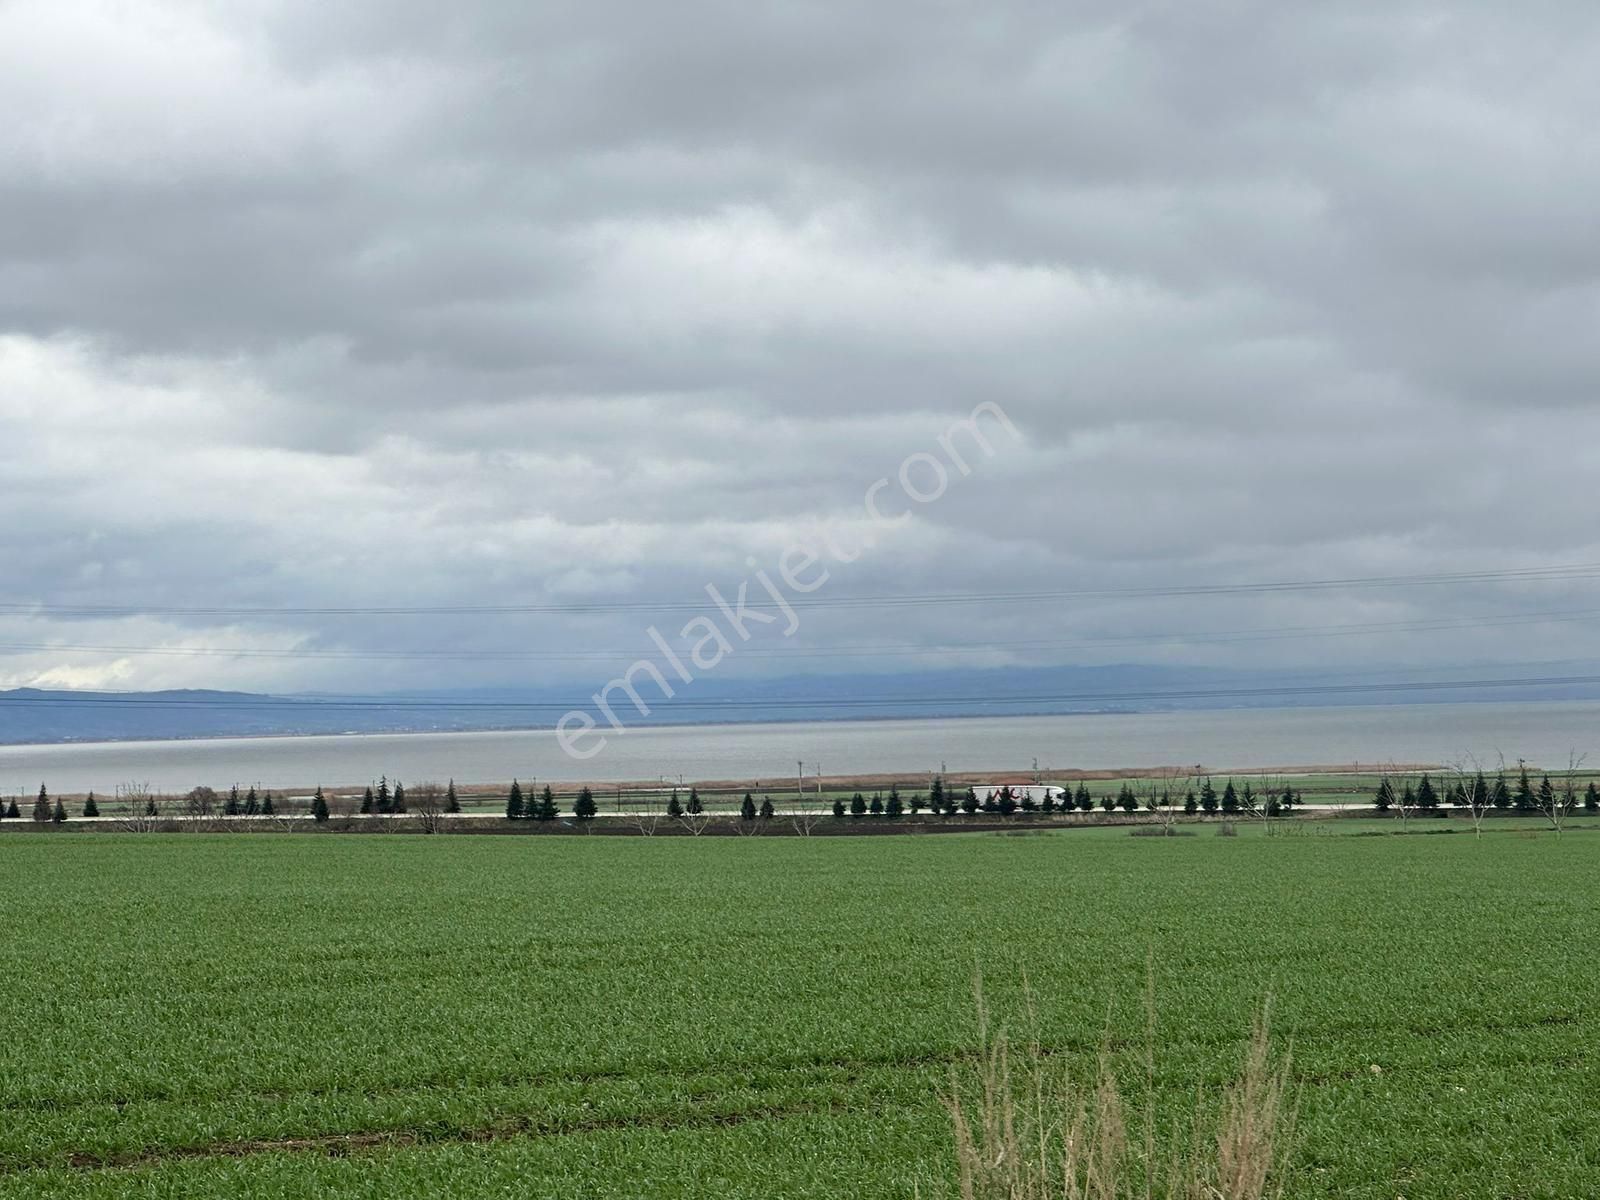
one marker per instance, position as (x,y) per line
(1542,733)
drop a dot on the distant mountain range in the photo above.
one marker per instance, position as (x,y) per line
(30,715)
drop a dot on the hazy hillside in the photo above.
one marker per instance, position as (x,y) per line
(30,715)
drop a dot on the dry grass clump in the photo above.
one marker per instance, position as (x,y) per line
(1025,1129)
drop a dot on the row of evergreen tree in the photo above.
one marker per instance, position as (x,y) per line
(1479,793)
(46,810)
(543,807)
(384,799)
(1007,801)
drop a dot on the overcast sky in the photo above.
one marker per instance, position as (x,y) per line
(381,303)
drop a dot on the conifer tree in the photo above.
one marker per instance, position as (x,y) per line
(1108,803)
(397,802)
(383,803)
(895,807)
(547,805)
(150,807)
(1525,801)
(1208,796)
(747,808)
(514,802)
(11,811)
(695,807)
(1190,804)
(1230,799)
(1591,799)
(1501,796)
(368,802)
(232,807)
(584,807)
(877,804)
(1408,798)
(767,809)
(5,810)
(838,807)
(858,805)
(1085,801)
(452,802)
(41,806)
(1426,797)
(1048,805)
(267,809)
(92,809)
(674,808)
(1547,795)
(319,806)
(59,813)
(252,803)
(1384,800)
(936,795)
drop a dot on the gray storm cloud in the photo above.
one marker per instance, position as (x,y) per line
(378,304)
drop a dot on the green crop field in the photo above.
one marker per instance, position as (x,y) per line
(199,1015)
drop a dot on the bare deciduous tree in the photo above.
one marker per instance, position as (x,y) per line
(805,819)
(427,802)
(142,810)
(696,823)
(1472,790)
(1555,805)
(1265,805)
(200,802)
(647,820)
(1405,801)
(1163,797)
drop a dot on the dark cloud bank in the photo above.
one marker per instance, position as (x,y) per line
(387,305)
